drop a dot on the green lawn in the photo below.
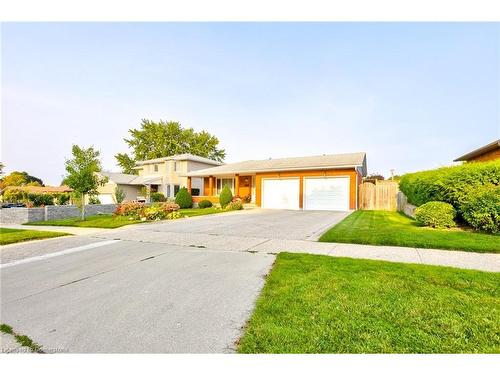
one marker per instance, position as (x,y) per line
(8,236)
(393,228)
(321,304)
(111,221)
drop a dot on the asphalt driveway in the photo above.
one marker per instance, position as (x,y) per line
(185,286)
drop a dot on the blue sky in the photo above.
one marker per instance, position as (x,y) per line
(412,95)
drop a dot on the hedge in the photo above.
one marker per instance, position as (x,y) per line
(436,215)
(449,184)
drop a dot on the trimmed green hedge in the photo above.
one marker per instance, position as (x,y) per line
(436,215)
(449,184)
(481,208)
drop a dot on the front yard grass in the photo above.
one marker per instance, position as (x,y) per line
(321,304)
(113,221)
(396,229)
(8,235)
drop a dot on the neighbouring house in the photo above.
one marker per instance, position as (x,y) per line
(165,175)
(489,152)
(326,182)
(39,189)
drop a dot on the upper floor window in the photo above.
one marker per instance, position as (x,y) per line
(175,166)
(156,167)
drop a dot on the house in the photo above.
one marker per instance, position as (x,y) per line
(165,175)
(326,182)
(489,152)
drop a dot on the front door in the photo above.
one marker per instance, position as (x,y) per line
(245,189)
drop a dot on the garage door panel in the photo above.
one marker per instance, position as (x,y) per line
(281,193)
(326,194)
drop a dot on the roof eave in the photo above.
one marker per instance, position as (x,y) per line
(482,150)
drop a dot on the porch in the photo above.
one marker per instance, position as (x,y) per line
(240,185)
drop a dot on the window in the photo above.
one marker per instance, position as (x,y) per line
(176,189)
(175,166)
(156,167)
(221,182)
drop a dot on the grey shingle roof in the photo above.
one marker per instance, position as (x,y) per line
(131,179)
(285,164)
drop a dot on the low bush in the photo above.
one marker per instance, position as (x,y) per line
(129,209)
(204,204)
(158,197)
(183,198)
(436,215)
(226,196)
(14,196)
(174,215)
(94,200)
(481,208)
(61,198)
(119,194)
(40,200)
(233,206)
(449,184)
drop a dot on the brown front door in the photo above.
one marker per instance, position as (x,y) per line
(245,188)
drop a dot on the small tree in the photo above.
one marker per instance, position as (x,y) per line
(82,172)
(119,194)
(225,196)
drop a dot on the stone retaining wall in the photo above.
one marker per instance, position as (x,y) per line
(405,207)
(21,215)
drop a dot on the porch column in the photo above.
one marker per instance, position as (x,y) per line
(237,184)
(189,184)
(210,185)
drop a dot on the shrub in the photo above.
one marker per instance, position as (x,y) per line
(94,200)
(449,184)
(61,198)
(158,211)
(204,204)
(119,194)
(225,196)
(183,198)
(40,200)
(481,208)
(158,197)
(14,196)
(233,206)
(436,215)
(129,209)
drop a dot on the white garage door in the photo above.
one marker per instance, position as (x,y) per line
(280,193)
(105,198)
(326,194)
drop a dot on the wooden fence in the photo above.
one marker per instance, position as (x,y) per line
(381,195)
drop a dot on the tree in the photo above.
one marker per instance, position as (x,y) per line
(225,196)
(119,194)
(161,139)
(21,179)
(82,173)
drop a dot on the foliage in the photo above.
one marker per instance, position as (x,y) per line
(15,196)
(119,194)
(129,208)
(61,198)
(158,197)
(481,208)
(40,200)
(321,304)
(94,199)
(183,198)
(226,196)
(375,176)
(204,204)
(436,215)
(449,184)
(233,206)
(388,228)
(82,172)
(21,179)
(174,215)
(160,139)
(159,211)
(126,163)
(243,199)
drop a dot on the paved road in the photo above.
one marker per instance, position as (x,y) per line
(177,287)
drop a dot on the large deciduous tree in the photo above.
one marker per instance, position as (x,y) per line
(21,179)
(82,173)
(161,139)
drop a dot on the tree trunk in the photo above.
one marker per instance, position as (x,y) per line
(83,206)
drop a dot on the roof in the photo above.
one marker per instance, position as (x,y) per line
(285,164)
(480,151)
(131,179)
(189,157)
(41,189)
